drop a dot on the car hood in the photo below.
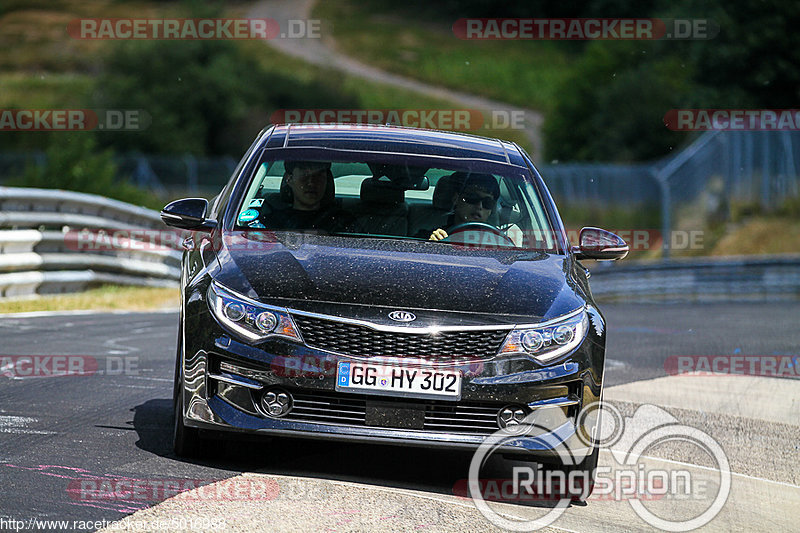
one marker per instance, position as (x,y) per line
(320,272)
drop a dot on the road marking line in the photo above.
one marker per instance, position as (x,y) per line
(79,312)
(700,467)
(768,399)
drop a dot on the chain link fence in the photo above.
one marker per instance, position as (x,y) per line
(163,175)
(720,168)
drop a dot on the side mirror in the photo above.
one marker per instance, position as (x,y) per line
(188,213)
(599,244)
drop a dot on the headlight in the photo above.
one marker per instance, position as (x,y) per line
(550,340)
(248,319)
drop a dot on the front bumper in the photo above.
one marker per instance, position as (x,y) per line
(224,381)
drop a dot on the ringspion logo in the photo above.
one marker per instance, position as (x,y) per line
(632,476)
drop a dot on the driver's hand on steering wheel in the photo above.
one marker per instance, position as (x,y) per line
(438,235)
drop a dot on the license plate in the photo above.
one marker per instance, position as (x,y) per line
(398,381)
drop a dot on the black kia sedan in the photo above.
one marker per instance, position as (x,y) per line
(385,285)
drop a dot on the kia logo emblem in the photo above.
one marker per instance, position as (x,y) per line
(402,316)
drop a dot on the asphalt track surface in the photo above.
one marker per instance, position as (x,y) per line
(114,426)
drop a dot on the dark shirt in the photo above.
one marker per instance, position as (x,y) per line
(327,219)
(446,224)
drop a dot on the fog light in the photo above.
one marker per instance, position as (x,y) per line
(276,403)
(234,311)
(266,321)
(510,416)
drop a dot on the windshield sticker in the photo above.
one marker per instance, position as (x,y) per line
(247,216)
(256,202)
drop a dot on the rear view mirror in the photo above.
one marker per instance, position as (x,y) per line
(404,177)
(599,244)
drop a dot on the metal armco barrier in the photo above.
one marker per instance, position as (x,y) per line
(41,250)
(753,278)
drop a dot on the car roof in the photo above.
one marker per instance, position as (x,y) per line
(392,139)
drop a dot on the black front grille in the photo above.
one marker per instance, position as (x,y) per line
(361,341)
(461,418)
(328,408)
(351,410)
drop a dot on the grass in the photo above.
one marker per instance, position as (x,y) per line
(35,40)
(762,235)
(41,66)
(45,90)
(757,233)
(525,73)
(105,298)
(369,95)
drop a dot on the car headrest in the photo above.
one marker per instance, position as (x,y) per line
(443,193)
(401,176)
(377,192)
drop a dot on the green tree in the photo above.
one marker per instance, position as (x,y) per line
(204,97)
(192,90)
(73,162)
(612,106)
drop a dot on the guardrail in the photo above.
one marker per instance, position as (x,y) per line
(745,278)
(42,251)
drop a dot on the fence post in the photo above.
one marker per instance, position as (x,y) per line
(146,178)
(765,176)
(666,205)
(191,172)
(791,170)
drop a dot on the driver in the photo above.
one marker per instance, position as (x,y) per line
(474,201)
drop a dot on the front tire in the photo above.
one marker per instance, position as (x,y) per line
(186,441)
(588,472)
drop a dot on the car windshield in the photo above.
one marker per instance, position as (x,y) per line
(497,209)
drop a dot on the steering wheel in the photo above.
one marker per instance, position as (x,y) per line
(478,226)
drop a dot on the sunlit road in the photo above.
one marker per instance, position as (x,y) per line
(60,436)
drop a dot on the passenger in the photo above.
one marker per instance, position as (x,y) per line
(308,187)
